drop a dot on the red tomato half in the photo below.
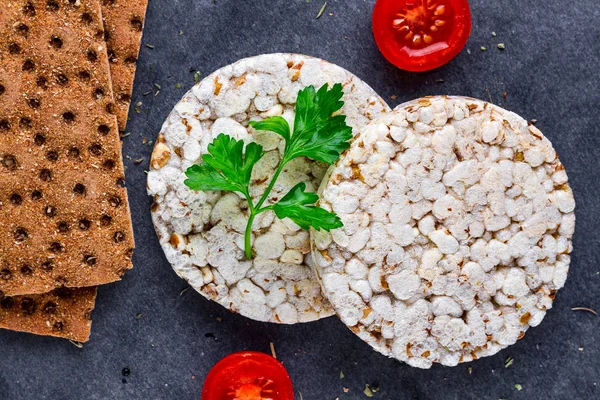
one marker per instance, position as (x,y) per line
(248,375)
(420,35)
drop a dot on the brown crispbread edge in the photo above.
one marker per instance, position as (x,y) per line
(64,313)
(123,27)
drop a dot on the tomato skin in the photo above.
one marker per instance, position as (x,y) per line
(446,42)
(246,372)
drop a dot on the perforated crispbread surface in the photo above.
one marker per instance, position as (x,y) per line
(62,313)
(123,25)
(64,217)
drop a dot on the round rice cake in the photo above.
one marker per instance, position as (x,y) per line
(202,233)
(457,231)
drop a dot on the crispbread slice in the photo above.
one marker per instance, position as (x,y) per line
(64,217)
(123,25)
(64,313)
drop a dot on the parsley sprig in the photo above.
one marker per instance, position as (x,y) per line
(317,135)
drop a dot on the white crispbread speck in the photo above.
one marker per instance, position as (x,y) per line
(458,224)
(201,233)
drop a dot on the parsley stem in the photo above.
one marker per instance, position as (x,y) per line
(248,236)
(252,214)
(255,210)
(272,183)
(267,208)
(251,207)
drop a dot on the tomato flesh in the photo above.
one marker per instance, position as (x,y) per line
(248,375)
(420,35)
(261,389)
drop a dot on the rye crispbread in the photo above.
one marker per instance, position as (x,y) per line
(64,313)
(123,25)
(64,218)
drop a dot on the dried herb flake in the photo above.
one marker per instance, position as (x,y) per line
(581,308)
(509,361)
(197,75)
(322,10)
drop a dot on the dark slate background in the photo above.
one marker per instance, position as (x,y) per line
(549,72)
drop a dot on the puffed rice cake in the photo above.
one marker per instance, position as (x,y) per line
(458,221)
(202,233)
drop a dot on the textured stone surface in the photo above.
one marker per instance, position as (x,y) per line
(548,75)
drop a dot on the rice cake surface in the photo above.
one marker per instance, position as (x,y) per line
(64,216)
(201,233)
(64,313)
(458,220)
(123,26)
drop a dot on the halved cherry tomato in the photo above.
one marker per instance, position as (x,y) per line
(420,35)
(248,375)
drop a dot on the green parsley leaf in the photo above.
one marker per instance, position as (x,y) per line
(225,167)
(277,124)
(205,177)
(314,108)
(328,142)
(226,155)
(294,206)
(318,135)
